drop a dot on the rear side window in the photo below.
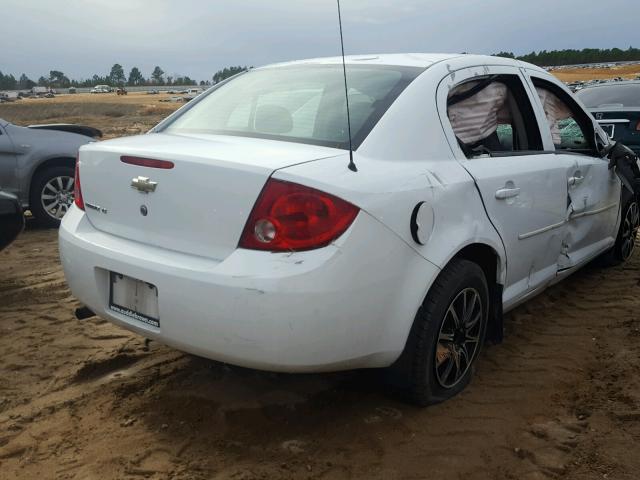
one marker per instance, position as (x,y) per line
(568,124)
(493,116)
(303,103)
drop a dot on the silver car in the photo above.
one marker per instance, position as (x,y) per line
(37,165)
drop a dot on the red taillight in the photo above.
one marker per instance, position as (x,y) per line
(288,216)
(638,126)
(77,191)
(147,162)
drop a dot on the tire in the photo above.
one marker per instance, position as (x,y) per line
(432,348)
(51,185)
(626,239)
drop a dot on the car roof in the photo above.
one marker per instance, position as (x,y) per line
(419,60)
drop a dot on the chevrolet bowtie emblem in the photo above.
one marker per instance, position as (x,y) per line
(143,184)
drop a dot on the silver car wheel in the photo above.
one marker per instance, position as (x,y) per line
(459,338)
(57,196)
(630,230)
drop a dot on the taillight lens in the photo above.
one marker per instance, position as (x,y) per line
(147,162)
(288,216)
(77,190)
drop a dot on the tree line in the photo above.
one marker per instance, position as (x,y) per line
(554,58)
(116,77)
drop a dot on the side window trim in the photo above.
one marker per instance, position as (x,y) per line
(522,153)
(541,118)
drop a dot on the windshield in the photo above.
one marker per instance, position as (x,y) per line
(303,104)
(626,95)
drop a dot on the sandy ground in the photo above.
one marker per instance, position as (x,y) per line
(88,400)
(82,400)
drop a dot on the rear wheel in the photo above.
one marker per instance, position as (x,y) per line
(51,195)
(448,334)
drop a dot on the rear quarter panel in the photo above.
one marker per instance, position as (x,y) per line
(35,147)
(405,160)
(390,190)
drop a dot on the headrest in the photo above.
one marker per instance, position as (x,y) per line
(273,119)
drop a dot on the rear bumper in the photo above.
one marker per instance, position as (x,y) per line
(11,219)
(348,305)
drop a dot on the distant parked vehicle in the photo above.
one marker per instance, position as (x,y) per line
(153,91)
(39,90)
(11,218)
(121,91)
(173,99)
(10,96)
(72,89)
(616,107)
(101,89)
(37,165)
(191,94)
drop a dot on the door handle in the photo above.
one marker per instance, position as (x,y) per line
(577,180)
(505,193)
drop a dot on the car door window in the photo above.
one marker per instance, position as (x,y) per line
(493,116)
(568,124)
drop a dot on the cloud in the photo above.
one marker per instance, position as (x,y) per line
(197,37)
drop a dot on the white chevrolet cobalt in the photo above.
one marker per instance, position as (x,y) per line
(238,229)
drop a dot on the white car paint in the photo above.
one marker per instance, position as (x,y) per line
(350,304)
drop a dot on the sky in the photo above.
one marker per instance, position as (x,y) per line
(199,37)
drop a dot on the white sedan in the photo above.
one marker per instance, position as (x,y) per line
(236,230)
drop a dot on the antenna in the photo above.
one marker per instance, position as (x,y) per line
(352,165)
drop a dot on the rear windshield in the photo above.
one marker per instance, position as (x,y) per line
(303,104)
(619,95)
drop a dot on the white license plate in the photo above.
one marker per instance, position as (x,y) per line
(134,298)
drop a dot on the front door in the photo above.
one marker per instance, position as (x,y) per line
(594,190)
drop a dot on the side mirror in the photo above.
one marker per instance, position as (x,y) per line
(625,163)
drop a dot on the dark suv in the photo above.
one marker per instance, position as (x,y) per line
(616,106)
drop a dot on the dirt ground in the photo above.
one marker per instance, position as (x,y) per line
(116,116)
(628,72)
(88,400)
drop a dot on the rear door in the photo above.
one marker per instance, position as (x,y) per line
(594,189)
(523,187)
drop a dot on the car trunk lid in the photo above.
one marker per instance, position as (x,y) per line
(199,206)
